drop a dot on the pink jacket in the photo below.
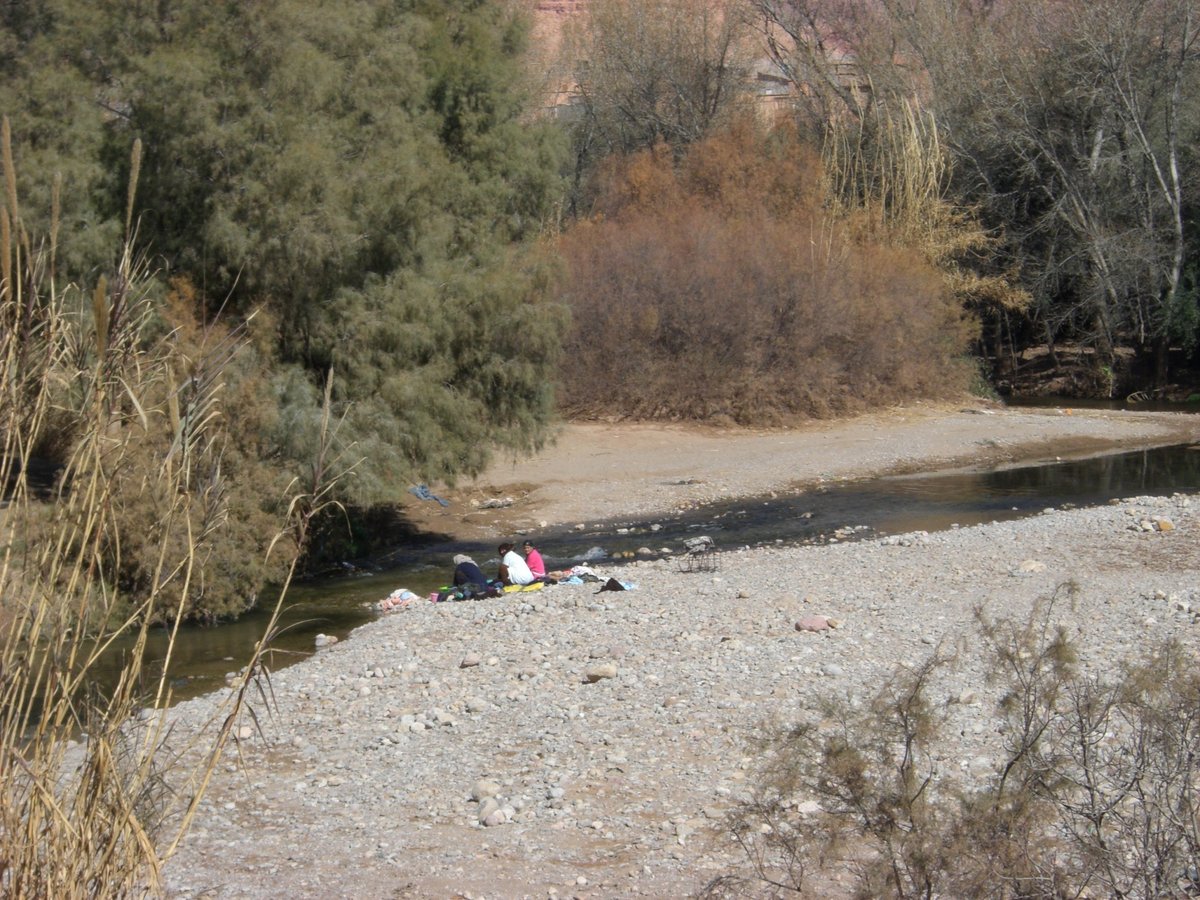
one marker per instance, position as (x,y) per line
(536,564)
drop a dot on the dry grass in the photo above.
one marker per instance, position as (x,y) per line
(890,170)
(96,790)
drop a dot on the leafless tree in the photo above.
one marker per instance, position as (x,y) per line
(650,71)
(1067,122)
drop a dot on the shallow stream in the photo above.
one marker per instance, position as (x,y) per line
(834,512)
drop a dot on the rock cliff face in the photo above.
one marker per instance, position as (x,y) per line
(549,19)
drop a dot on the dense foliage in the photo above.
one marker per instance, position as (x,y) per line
(361,192)
(360,170)
(650,71)
(1072,126)
(360,179)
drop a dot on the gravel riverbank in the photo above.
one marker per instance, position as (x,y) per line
(569,743)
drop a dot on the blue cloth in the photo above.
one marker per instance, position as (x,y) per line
(423,492)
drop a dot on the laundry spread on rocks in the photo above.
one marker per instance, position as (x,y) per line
(517,572)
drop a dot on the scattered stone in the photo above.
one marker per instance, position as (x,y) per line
(365,787)
(496,503)
(814,623)
(487,808)
(981,766)
(324,640)
(484,789)
(600,672)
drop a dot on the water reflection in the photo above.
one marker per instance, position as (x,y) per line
(933,502)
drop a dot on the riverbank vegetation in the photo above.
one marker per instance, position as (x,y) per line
(746,212)
(347,192)
(347,255)
(840,310)
(1070,127)
(133,533)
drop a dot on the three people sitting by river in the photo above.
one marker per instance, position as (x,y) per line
(469,582)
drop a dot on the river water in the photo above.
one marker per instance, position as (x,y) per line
(843,511)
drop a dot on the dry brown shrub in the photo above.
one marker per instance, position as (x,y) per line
(717,286)
(1095,791)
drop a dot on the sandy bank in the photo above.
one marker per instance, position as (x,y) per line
(597,471)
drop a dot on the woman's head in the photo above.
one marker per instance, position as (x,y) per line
(505,548)
(462,558)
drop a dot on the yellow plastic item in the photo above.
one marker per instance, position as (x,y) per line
(521,588)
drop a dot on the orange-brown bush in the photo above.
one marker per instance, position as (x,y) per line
(714,285)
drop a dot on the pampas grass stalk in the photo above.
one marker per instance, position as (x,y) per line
(96,790)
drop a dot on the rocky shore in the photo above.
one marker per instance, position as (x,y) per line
(570,743)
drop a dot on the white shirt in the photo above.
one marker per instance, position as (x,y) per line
(518,571)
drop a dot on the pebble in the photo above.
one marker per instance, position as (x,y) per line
(483,790)
(815,623)
(600,672)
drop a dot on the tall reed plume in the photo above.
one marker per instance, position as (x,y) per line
(97,790)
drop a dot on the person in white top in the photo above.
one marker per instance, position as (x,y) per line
(513,569)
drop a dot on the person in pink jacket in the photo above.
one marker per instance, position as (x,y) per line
(534,560)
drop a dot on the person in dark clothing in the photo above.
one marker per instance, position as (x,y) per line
(468,580)
(468,575)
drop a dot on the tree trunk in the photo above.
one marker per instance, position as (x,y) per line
(1162,360)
